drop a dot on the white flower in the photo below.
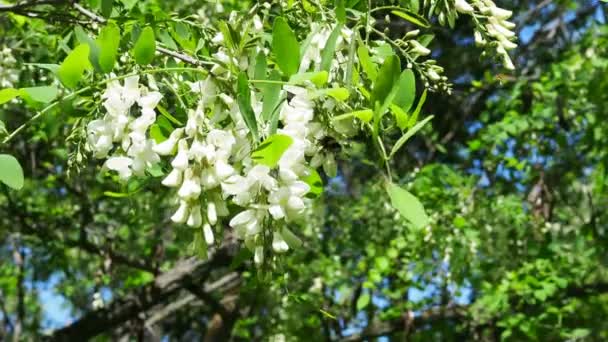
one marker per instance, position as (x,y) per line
(259,176)
(208,233)
(278,243)
(195,219)
(120,165)
(181,159)
(199,150)
(150,100)
(99,138)
(247,222)
(287,202)
(143,156)
(181,215)
(173,179)
(166,147)
(191,187)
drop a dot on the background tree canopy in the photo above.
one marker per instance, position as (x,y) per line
(511,170)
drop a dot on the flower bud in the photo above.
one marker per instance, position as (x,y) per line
(258,255)
(181,215)
(463,7)
(211,213)
(181,159)
(195,219)
(208,233)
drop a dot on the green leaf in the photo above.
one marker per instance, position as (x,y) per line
(340,11)
(412,17)
(285,47)
(318,78)
(11,172)
(157,134)
(244,101)
(406,92)
(340,94)
(260,66)
(44,94)
(397,86)
(364,115)
(168,115)
(84,38)
(74,65)
(366,63)
(327,55)
(106,7)
(108,42)
(416,112)
(387,76)
(271,93)
(408,205)
(408,135)
(155,171)
(363,301)
(145,47)
(8,94)
(315,183)
(270,151)
(401,117)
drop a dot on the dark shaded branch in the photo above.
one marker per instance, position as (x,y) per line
(19,260)
(381,328)
(164,286)
(21,6)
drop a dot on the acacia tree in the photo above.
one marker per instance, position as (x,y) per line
(284,144)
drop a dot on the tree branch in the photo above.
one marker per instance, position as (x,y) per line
(186,272)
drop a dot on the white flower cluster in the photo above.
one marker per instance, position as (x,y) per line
(497,27)
(9,75)
(119,125)
(211,156)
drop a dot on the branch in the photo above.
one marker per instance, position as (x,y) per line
(225,284)
(380,328)
(26,5)
(19,261)
(186,272)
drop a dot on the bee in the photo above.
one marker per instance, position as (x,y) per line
(504,78)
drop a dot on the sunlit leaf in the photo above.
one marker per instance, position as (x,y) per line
(145,47)
(270,150)
(11,172)
(407,205)
(285,47)
(74,65)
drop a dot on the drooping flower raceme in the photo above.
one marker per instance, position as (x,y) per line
(496,30)
(9,74)
(215,162)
